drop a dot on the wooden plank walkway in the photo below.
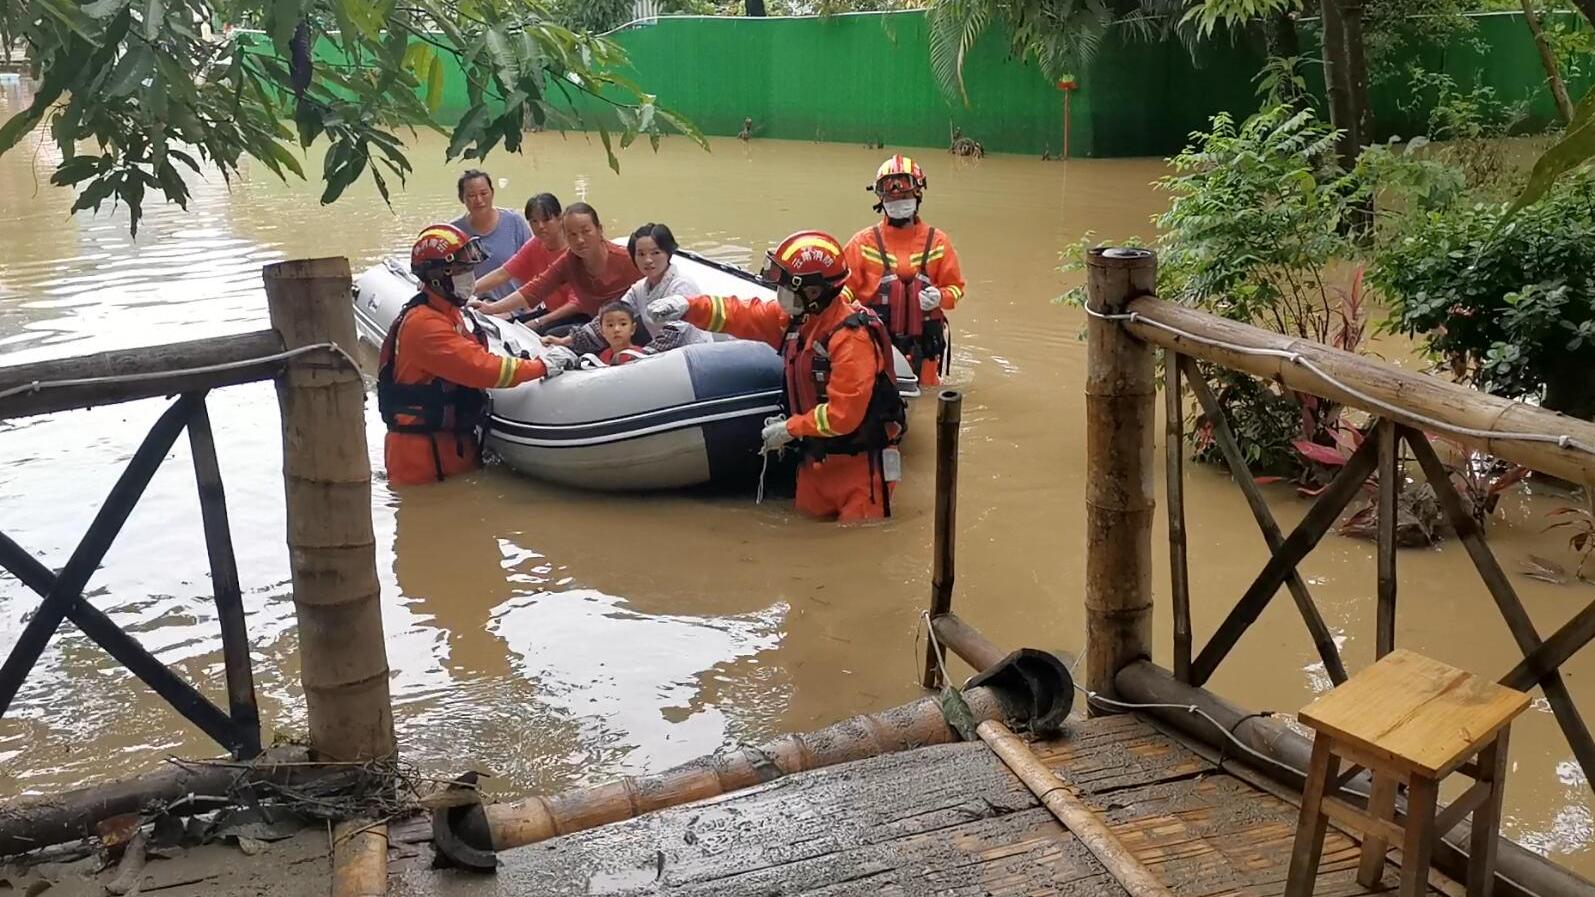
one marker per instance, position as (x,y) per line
(947,820)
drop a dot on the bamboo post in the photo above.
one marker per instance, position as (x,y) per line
(949,415)
(1389,493)
(1121,416)
(332,550)
(1179,568)
(1054,794)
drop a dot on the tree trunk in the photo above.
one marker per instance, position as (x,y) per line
(1356,74)
(1359,107)
(756,8)
(1553,76)
(1279,35)
(1336,85)
(1587,7)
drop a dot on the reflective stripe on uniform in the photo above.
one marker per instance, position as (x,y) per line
(956,293)
(871,254)
(822,419)
(717,314)
(922,259)
(506,371)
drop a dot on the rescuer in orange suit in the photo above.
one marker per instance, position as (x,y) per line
(433,370)
(841,398)
(906,271)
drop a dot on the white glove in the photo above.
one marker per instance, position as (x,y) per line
(929,298)
(775,434)
(558,360)
(670,308)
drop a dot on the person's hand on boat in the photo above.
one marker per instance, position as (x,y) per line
(565,341)
(776,435)
(668,308)
(558,360)
(929,298)
(476,303)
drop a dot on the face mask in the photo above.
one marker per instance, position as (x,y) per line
(899,208)
(465,284)
(788,299)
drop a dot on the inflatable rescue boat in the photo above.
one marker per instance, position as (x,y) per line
(680,418)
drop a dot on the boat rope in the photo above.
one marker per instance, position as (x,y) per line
(41,385)
(1564,440)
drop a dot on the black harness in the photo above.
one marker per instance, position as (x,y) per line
(885,417)
(435,407)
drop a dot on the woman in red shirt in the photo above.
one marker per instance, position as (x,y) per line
(533,258)
(596,271)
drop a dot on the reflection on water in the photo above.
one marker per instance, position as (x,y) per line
(552,637)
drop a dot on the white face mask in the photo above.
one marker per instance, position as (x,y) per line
(464,284)
(899,208)
(788,299)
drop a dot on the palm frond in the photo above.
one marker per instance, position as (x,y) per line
(954,27)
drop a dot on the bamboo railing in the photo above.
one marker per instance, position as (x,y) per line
(327,480)
(1405,407)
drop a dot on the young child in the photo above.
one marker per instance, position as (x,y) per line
(618,323)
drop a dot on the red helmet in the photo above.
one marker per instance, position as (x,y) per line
(898,176)
(810,264)
(446,247)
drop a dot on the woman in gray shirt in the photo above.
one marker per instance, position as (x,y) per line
(502,231)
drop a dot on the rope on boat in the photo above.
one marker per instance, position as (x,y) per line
(41,385)
(1564,440)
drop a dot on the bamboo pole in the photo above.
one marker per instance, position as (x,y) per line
(915,725)
(1121,416)
(359,859)
(1389,495)
(949,414)
(29,823)
(1410,393)
(1174,487)
(332,550)
(966,641)
(1285,754)
(1054,793)
(152,367)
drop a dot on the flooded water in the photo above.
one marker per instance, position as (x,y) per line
(556,638)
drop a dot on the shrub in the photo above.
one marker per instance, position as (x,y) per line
(1509,307)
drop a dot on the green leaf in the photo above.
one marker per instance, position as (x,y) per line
(603,135)
(434,85)
(686,127)
(96,193)
(281,22)
(468,130)
(154,18)
(135,67)
(1573,150)
(103,9)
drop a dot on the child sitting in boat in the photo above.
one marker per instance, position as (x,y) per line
(618,321)
(652,248)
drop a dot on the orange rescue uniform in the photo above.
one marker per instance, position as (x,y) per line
(430,343)
(910,251)
(847,487)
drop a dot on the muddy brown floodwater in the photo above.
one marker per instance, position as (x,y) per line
(555,637)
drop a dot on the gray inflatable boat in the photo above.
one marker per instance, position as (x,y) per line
(681,418)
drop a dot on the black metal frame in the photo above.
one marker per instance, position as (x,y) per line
(237,731)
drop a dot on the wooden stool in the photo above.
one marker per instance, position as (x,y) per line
(1412,719)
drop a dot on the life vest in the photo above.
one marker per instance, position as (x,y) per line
(434,407)
(807,374)
(918,334)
